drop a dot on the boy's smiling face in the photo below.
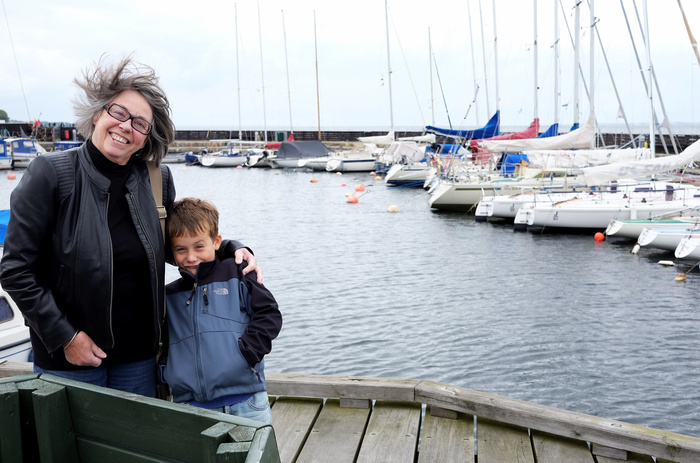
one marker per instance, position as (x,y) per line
(189,251)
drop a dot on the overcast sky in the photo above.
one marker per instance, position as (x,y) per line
(192,46)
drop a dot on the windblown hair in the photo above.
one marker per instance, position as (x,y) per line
(192,216)
(103,83)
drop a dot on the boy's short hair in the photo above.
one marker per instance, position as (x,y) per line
(192,216)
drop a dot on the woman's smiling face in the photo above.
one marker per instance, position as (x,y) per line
(118,141)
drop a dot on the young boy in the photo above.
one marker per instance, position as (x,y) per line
(220,322)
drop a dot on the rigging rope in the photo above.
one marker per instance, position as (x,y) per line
(29,117)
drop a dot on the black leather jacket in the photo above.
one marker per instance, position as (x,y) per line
(57,262)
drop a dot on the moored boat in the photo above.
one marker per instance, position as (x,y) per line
(23,150)
(5,158)
(14,334)
(296,154)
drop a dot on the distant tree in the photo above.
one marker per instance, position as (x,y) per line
(3,115)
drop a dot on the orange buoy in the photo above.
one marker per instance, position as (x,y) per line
(11,176)
(359,188)
(314,180)
(352,199)
(599,236)
(239,167)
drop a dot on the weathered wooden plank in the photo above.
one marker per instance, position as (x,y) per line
(8,369)
(293,420)
(10,424)
(336,435)
(556,449)
(610,452)
(392,433)
(263,447)
(502,443)
(54,430)
(341,387)
(565,423)
(631,458)
(211,438)
(447,440)
(104,452)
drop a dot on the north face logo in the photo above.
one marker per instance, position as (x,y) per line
(221,291)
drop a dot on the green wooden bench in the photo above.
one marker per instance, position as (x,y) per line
(44,418)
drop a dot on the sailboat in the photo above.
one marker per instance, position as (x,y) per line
(365,158)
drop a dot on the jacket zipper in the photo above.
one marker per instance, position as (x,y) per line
(111,273)
(197,349)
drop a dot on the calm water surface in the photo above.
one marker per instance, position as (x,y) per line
(551,318)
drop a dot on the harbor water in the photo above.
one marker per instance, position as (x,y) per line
(552,318)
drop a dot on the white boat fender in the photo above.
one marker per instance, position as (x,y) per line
(635,249)
(668,263)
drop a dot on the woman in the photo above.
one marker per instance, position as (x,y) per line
(84,254)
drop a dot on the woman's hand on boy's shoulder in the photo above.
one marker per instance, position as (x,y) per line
(243,254)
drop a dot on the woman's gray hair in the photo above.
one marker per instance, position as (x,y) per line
(103,83)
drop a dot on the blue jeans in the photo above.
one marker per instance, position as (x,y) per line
(257,408)
(137,377)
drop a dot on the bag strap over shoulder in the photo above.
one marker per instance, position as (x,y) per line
(156,177)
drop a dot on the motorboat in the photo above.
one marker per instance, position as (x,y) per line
(14,334)
(297,154)
(23,150)
(5,158)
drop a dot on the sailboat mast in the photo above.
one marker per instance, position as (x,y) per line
(471,43)
(262,75)
(483,52)
(286,62)
(557,90)
(652,138)
(495,51)
(592,52)
(318,97)
(430,63)
(577,58)
(693,43)
(388,58)
(238,78)
(534,46)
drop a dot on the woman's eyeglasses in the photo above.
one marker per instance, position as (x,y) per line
(120,113)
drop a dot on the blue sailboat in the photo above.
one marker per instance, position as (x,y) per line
(492,128)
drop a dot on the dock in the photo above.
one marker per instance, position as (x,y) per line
(320,418)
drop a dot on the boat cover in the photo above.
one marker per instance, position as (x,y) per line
(530,132)
(387,139)
(402,152)
(552,131)
(492,128)
(427,138)
(582,138)
(600,175)
(302,149)
(4,218)
(548,159)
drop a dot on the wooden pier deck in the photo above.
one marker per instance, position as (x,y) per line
(351,419)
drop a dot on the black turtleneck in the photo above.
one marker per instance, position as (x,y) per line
(132,301)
